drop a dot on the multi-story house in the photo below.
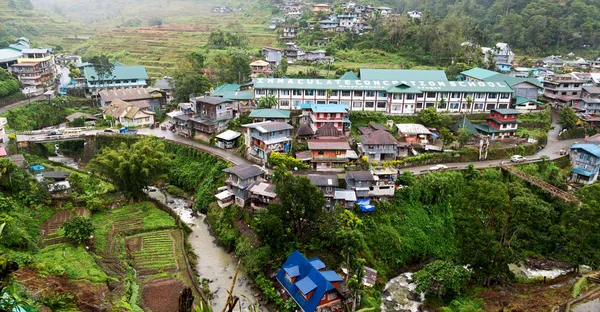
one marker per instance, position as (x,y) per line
(289,32)
(309,284)
(585,160)
(321,7)
(337,115)
(391,96)
(348,21)
(273,56)
(502,123)
(503,56)
(590,100)
(239,180)
(384,183)
(360,182)
(260,67)
(265,137)
(378,145)
(36,71)
(328,154)
(329,25)
(10,54)
(145,98)
(561,90)
(212,114)
(327,184)
(262,194)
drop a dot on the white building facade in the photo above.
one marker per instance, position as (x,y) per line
(387,96)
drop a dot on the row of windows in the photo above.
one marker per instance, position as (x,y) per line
(382,105)
(380,94)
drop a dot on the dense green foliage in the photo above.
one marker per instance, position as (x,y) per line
(42,114)
(189,77)
(282,160)
(131,168)
(442,278)
(196,172)
(78,229)
(232,66)
(8,83)
(220,39)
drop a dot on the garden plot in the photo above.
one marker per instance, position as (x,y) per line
(153,252)
(49,229)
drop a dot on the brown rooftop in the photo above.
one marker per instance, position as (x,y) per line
(328,144)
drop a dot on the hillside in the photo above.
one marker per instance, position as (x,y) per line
(19,18)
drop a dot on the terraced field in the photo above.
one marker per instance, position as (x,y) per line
(50,229)
(152,252)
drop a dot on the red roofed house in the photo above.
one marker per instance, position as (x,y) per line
(259,67)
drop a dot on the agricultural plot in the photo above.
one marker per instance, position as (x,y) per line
(153,252)
(50,229)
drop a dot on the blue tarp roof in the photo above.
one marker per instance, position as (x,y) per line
(363,201)
(582,172)
(367,208)
(306,285)
(37,167)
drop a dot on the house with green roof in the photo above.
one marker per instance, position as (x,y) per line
(9,55)
(269,114)
(349,76)
(243,101)
(122,76)
(464,123)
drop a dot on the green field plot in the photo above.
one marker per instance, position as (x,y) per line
(152,252)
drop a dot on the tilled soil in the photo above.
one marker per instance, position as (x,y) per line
(162,295)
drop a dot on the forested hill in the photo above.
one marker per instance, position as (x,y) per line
(530,26)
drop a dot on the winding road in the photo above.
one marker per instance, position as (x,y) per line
(551,150)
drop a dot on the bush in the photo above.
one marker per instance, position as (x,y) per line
(278,160)
(175,191)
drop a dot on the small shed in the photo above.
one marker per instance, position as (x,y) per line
(228,139)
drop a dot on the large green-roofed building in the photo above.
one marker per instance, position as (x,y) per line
(402,74)
(122,76)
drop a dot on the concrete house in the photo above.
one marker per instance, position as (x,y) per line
(335,114)
(378,146)
(501,124)
(35,70)
(561,90)
(414,133)
(327,184)
(260,67)
(10,54)
(503,55)
(590,100)
(289,32)
(212,114)
(239,180)
(273,56)
(265,137)
(384,184)
(360,182)
(585,160)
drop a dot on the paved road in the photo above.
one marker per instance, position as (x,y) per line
(21,103)
(552,149)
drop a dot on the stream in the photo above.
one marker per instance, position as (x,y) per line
(214,263)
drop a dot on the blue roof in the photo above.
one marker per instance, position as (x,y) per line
(331,276)
(583,172)
(292,271)
(37,167)
(329,108)
(120,72)
(305,106)
(306,285)
(589,148)
(317,263)
(310,280)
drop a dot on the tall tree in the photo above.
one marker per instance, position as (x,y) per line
(132,168)
(103,66)
(189,77)
(568,119)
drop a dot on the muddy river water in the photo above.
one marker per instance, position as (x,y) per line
(214,263)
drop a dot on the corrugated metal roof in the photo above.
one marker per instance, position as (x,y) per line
(118,73)
(323,180)
(128,94)
(479,73)
(329,108)
(402,74)
(378,137)
(269,126)
(245,171)
(328,144)
(588,147)
(412,129)
(270,113)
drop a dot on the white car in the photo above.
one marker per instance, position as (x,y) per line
(517,159)
(438,167)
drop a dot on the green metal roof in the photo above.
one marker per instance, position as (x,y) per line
(380,85)
(120,72)
(486,129)
(464,123)
(270,113)
(402,74)
(522,100)
(402,88)
(236,95)
(226,87)
(514,80)
(479,73)
(349,76)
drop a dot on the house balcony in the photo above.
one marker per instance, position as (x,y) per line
(382,191)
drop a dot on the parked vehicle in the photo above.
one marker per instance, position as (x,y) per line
(517,159)
(124,130)
(438,167)
(109,130)
(163,128)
